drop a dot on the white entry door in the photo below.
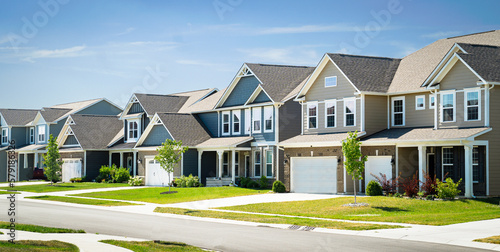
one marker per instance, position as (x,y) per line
(71,168)
(155,175)
(376,165)
(314,174)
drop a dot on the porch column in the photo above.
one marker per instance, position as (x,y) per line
(421,163)
(200,153)
(468,171)
(25,155)
(220,153)
(110,160)
(233,166)
(35,162)
(134,166)
(121,159)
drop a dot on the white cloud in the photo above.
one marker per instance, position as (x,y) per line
(75,51)
(127,31)
(294,55)
(441,34)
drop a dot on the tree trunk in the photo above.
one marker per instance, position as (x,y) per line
(169,182)
(354,183)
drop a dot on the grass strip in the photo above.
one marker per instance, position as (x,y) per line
(84,201)
(37,246)
(275,219)
(67,187)
(492,239)
(153,246)
(38,229)
(9,192)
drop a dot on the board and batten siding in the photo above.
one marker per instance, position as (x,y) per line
(95,159)
(156,136)
(242,91)
(414,117)
(375,113)
(262,97)
(190,162)
(289,120)
(340,112)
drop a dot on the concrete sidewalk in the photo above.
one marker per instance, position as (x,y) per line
(23,183)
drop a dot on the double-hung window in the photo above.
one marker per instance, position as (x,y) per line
(447,162)
(420,102)
(32,135)
(256,119)
(41,133)
(350,112)
(432,101)
(472,105)
(268,119)
(398,111)
(330,109)
(5,135)
(475,164)
(236,122)
(269,163)
(256,163)
(236,164)
(312,115)
(225,123)
(448,103)
(133,130)
(248,119)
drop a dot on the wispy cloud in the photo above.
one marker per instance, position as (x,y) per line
(403,48)
(75,51)
(441,34)
(312,29)
(127,31)
(193,62)
(296,55)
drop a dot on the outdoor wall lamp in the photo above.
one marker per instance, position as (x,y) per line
(339,160)
(139,161)
(393,161)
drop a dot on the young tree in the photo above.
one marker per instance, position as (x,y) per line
(169,154)
(52,161)
(354,162)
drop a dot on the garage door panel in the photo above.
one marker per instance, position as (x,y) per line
(71,168)
(376,165)
(314,175)
(156,175)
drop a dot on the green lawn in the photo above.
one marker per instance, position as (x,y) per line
(153,246)
(37,246)
(152,194)
(492,239)
(9,192)
(66,187)
(96,202)
(274,219)
(38,229)
(386,209)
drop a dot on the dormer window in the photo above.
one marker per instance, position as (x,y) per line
(5,135)
(331,81)
(41,133)
(133,130)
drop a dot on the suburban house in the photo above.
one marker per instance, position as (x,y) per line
(427,113)
(50,121)
(14,126)
(239,127)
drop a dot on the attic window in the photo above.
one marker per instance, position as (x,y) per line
(134,100)
(331,81)
(70,122)
(158,121)
(69,132)
(245,72)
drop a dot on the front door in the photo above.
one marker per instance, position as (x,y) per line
(431,165)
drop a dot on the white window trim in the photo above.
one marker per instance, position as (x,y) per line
(442,161)
(248,121)
(32,135)
(309,116)
(272,118)
(354,111)
(416,102)
(236,113)
(259,112)
(131,139)
(5,135)
(430,101)
(475,147)
(331,77)
(397,98)
(454,106)
(255,163)
(466,115)
(272,162)
(228,113)
(334,113)
(44,133)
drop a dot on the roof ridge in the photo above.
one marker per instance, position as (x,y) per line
(57,108)
(471,34)
(19,109)
(171,95)
(482,45)
(77,102)
(364,56)
(198,90)
(278,65)
(72,115)
(174,113)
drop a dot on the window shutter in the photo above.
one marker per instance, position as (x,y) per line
(126,130)
(482,163)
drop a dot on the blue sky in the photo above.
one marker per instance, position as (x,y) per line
(59,51)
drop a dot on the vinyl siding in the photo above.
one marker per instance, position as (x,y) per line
(210,122)
(135,108)
(3,166)
(190,162)
(289,120)
(318,91)
(55,129)
(265,136)
(101,108)
(242,91)
(156,136)
(71,140)
(262,97)
(413,117)
(460,113)
(459,77)
(96,159)
(339,119)
(375,113)
(18,134)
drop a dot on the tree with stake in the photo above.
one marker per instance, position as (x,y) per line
(354,161)
(169,154)
(52,161)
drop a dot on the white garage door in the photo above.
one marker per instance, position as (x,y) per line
(71,168)
(155,175)
(314,174)
(376,165)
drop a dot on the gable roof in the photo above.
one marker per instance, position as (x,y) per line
(95,131)
(52,114)
(184,127)
(208,103)
(18,117)
(61,111)
(370,74)
(414,69)
(484,59)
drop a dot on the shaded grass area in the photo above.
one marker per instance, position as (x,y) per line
(67,187)
(38,229)
(37,246)
(96,202)
(385,209)
(153,246)
(152,194)
(9,192)
(274,219)
(492,239)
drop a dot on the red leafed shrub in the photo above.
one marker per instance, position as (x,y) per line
(429,186)
(388,185)
(410,185)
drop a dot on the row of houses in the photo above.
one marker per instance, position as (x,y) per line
(432,112)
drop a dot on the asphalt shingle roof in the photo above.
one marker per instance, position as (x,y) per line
(484,59)
(371,74)
(154,103)
(184,127)
(224,142)
(95,131)
(423,134)
(18,117)
(333,139)
(53,114)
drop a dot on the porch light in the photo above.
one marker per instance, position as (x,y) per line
(339,160)
(392,161)
(139,160)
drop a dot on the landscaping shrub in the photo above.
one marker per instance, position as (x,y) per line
(135,181)
(278,187)
(447,189)
(263,182)
(410,185)
(121,175)
(388,185)
(106,173)
(244,182)
(429,186)
(190,181)
(253,184)
(77,180)
(373,188)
